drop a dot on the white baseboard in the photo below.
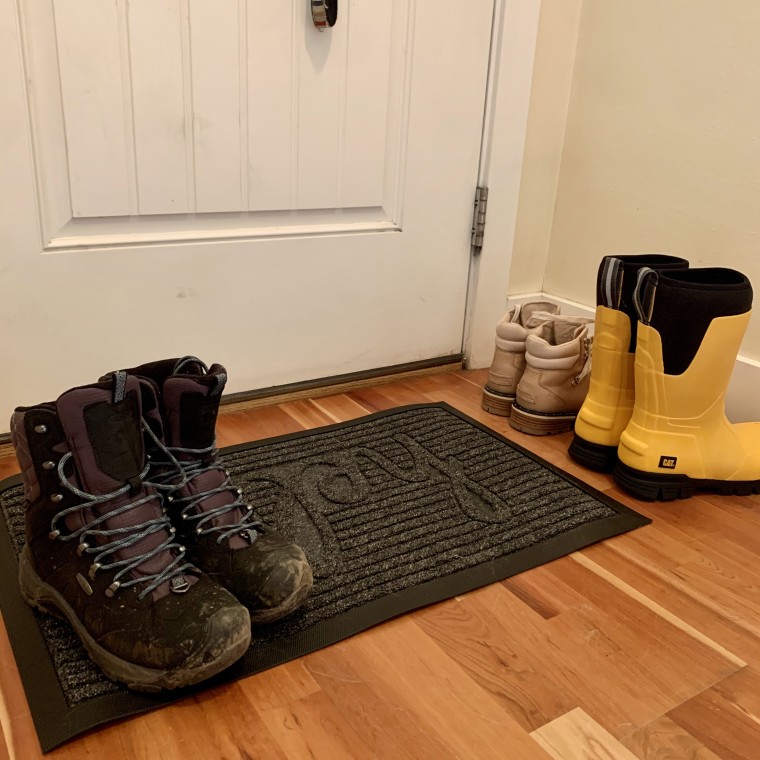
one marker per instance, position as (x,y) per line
(742,399)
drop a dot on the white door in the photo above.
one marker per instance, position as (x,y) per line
(218,177)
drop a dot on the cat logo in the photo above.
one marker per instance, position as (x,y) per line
(669,463)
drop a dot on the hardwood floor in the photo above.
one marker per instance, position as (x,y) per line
(645,646)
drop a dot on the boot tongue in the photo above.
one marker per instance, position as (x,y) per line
(191,400)
(102,426)
(564,332)
(533,313)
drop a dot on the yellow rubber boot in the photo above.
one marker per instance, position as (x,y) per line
(678,440)
(609,403)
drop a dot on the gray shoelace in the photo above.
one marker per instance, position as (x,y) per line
(120,538)
(192,510)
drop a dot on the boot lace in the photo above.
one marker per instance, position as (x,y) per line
(188,470)
(587,342)
(120,538)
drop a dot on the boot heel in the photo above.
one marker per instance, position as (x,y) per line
(497,403)
(650,486)
(594,456)
(537,423)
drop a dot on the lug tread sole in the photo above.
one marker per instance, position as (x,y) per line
(651,486)
(538,423)
(594,456)
(497,403)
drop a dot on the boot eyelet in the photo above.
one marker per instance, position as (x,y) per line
(239,491)
(181,549)
(198,531)
(82,548)
(40,428)
(112,589)
(94,567)
(56,498)
(49,465)
(54,534)
(185,516)
(172,530)
(170,498)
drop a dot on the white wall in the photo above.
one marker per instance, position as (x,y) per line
(552,79)
(662,146)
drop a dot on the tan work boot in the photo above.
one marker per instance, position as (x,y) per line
(509,356)
(556,378)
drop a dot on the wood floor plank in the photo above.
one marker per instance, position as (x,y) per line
(662,739)
(306,413)
(386,733)
(643,663)
(388,396)
(691,608)
(339,408)
(18,729)
(717,596)
(726,717)
(657,609)
(587,649)
(499,642)
(280,686)
(8,466)
(576,736)
(439,694)
(522,587)
(253,425)
(312,728)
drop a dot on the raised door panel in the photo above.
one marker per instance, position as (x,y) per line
(183,119)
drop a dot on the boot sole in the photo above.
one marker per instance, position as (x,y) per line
(45,598)
(290,605)
(650,486)
(594,456)
(536,423)
(497,403)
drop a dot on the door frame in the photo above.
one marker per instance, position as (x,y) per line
(513,47)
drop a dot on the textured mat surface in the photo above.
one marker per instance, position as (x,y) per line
(395,510)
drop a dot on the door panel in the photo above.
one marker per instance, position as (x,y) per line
(235,184)
(189,107)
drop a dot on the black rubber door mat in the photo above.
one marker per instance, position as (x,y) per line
(395,510)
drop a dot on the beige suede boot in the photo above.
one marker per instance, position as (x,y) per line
(556,378)
(509,356)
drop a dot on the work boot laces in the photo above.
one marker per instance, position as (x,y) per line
(106,542)
(174,473)
(586,370)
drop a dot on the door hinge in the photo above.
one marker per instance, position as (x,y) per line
(479,218)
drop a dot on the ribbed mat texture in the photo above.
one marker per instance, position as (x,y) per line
(395,510)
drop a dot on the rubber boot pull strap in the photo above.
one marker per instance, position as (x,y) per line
(644,292)
(609,284)
(119,385)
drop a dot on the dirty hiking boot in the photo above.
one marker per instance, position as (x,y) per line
(101,553)
(509,354)
(266,572)
(556,377)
